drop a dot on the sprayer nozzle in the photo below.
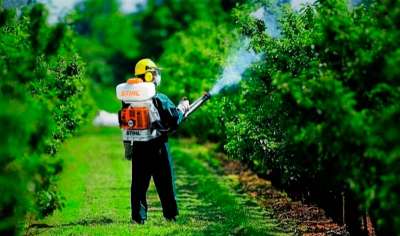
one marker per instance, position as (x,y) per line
(196,104)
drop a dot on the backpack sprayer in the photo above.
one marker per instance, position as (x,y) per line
(196,104)
(139,118)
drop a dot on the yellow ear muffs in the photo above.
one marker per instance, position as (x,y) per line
(148,77)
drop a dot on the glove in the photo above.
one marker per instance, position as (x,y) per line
(184,105)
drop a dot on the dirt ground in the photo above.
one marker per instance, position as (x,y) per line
(303,219)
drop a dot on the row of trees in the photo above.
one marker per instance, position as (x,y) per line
(320,113)
(43,100)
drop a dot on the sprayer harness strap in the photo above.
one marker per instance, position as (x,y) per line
(169,114)
(159,125)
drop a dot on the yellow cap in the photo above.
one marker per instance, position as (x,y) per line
(145,65)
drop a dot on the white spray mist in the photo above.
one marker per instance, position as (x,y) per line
(237,63)
(243,58)
(270,21)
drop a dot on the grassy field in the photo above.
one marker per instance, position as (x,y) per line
(96,186)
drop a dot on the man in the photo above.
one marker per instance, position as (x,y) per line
(149,152)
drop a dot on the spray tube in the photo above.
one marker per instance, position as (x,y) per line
(196,104)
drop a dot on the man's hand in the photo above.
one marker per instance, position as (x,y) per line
(184,105)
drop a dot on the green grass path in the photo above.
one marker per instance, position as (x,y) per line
(96,186)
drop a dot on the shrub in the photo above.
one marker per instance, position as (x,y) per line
(319,113)
(43,100)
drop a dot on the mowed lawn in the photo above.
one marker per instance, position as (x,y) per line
(96,179)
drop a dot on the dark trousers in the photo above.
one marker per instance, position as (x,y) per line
(152,159)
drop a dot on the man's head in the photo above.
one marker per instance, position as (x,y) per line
(147,70)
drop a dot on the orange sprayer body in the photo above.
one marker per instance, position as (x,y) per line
(135,118)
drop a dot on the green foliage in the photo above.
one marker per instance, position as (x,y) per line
(204,43)
(111,50)
(320,112)
(159,20)
(42,101)
(107,40)
(104,97)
